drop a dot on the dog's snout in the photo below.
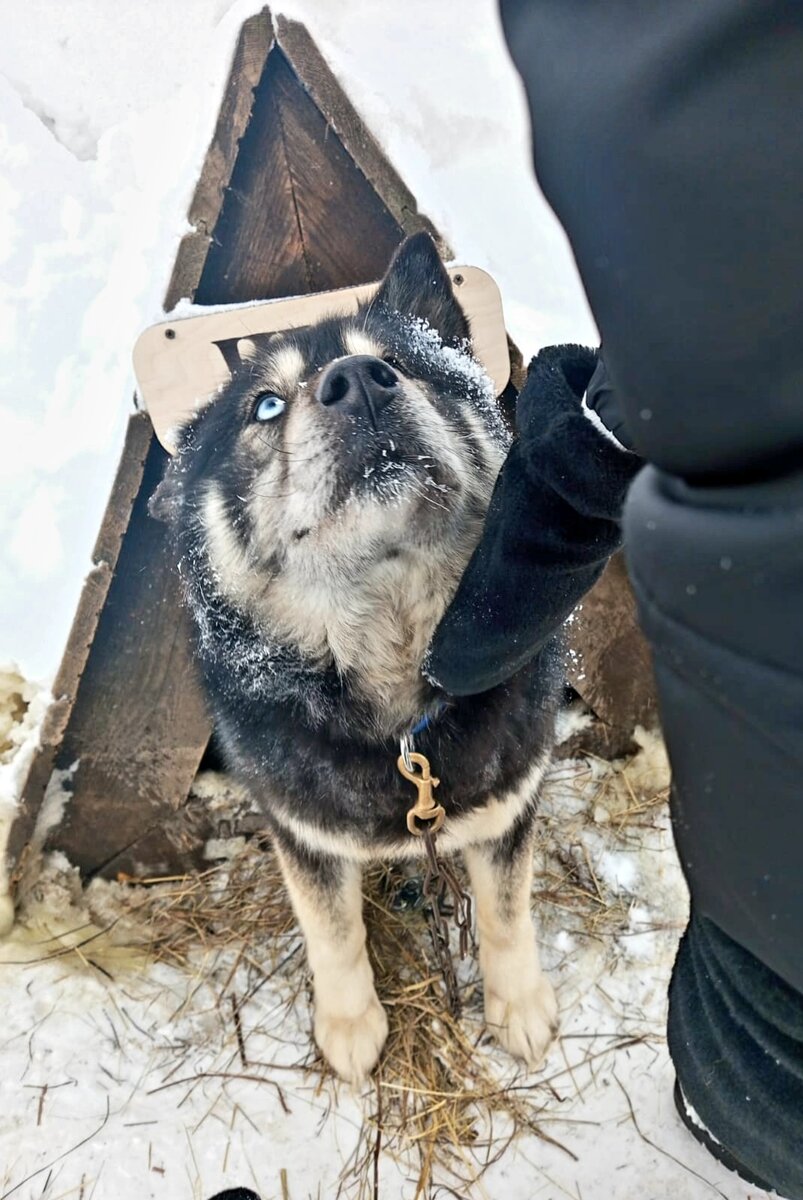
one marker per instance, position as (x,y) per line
(358,384)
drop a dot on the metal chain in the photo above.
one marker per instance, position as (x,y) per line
(440,885)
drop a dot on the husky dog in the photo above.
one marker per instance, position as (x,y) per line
(324,508)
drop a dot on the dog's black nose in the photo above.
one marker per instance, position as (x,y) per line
(358,384)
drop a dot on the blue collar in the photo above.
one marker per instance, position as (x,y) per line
(428,718)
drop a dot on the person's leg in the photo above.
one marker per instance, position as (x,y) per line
(719,575)
(667,139)
(736,1039)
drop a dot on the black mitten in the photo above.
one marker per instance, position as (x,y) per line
(552,524)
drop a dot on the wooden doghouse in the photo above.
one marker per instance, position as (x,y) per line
(295,196)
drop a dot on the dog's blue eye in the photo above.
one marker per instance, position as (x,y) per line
(268,407)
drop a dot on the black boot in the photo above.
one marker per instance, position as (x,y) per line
(235,1194)
(735,1035)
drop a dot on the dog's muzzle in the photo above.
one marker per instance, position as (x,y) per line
(358,386)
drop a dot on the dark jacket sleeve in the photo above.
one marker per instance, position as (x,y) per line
(552,524)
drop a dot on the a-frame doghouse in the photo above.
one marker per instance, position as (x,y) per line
(295,196)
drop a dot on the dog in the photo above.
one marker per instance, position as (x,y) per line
(323,509)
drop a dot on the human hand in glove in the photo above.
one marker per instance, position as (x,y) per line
(552,524)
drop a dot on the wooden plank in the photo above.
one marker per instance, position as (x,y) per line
(323,225)
(139,725)
(328,96)
(257,252)
(93,596)
(612,667)
(253,46)
(348,233)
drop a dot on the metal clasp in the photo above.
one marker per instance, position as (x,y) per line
(425,808)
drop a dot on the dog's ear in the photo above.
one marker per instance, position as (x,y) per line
(165,503)
(417,284)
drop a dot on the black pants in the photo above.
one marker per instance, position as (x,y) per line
(667,137)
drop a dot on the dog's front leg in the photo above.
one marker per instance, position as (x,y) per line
(520,1005)
(350,1023)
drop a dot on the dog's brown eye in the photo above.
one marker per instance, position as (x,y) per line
(392,362)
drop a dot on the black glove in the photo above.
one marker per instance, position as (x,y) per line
(552,524)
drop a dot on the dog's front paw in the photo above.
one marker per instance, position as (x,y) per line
(524,1023)
(352,1045)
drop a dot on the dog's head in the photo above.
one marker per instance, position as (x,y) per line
(335,489)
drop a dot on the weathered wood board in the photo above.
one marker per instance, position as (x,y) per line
(611,666)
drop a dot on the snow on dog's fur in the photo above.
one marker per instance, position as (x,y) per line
(324,508)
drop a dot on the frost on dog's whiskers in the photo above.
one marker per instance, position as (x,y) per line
(459,363)
(454,372)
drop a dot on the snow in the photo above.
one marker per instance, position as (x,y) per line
(697,1121)
(22,710)
(601,427)
(58,794)
(456,362)
(105,114)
